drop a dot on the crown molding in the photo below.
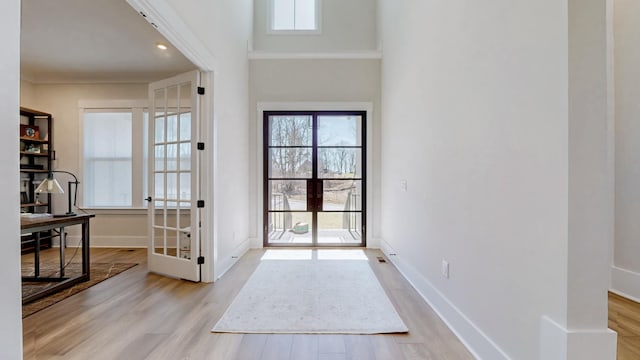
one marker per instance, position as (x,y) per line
(163,18)
(345,55)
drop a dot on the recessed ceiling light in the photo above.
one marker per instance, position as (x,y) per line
(161,46)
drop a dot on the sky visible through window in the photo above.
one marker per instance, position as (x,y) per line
(294,15)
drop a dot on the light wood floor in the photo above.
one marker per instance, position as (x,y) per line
(624,318)
(137,315)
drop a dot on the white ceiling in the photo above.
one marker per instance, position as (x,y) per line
(93,41)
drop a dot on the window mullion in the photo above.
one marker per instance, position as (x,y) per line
(137,154)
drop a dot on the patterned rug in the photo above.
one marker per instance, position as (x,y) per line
(99,273)
(312,297)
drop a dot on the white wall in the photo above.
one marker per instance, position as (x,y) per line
(315,81)
(109,228)
(10,297)
(225,28)
(346,26)
(27,94)
(626,270)
(477,118)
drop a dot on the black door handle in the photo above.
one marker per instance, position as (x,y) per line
(148,198)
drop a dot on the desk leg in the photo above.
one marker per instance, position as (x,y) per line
(63,244)
(36,255)
(85,248)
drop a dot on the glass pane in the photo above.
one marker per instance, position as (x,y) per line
(172,241)
(158,240)
(185,96)
(339,228)
(342,195)
(294,130)
(158,210)
(305,15)
(159,102)
(172,128)
(290,163)
(172,157)
(159,188)
(336,163)
(145,155)
(185,156)
(343,130)
(158,204)
(185,242)
(185,186)
(107,155)
(290,228)
(159,130)
(172,219)
(185,126)
(172,186)
(283,14)
(159,157)
(288,195)
(107,183)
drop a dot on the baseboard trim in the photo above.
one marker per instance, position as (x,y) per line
(558,343)
(625,283)
(479,344)
(255,243)
(222,265)
(107,241)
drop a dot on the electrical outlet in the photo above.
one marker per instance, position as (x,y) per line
(403,185)
(445,269)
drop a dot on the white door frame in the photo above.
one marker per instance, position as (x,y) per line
(160,14)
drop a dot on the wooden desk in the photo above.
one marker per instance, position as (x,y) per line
(35,226)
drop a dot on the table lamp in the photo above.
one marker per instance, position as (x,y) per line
(52,186)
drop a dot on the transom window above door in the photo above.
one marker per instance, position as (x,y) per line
(294,16)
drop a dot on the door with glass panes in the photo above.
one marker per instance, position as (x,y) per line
(314,182)
(174,177)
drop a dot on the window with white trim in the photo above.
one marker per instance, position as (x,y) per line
(114,157)
(295,16)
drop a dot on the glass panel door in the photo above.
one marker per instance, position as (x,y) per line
(313,184)
(174,166)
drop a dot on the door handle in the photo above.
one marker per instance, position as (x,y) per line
(148,198)
(310,199)
(319,191)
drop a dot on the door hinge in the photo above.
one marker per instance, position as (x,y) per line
(200,90)
(200,146)
(200,203)
(200,260)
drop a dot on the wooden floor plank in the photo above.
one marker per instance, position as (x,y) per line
(305,346)
(624,318)
(277,347)
(148,316)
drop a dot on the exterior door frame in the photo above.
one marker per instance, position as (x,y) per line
(263,107)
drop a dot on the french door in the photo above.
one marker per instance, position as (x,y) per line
(174,174)
(314,178)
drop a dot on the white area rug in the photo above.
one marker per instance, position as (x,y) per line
(312,296)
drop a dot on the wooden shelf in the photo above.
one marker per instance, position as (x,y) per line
(37,165)
(43,154)
(34,171)
(33,140)
(33,204)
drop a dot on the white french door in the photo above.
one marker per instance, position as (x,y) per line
(174,177)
